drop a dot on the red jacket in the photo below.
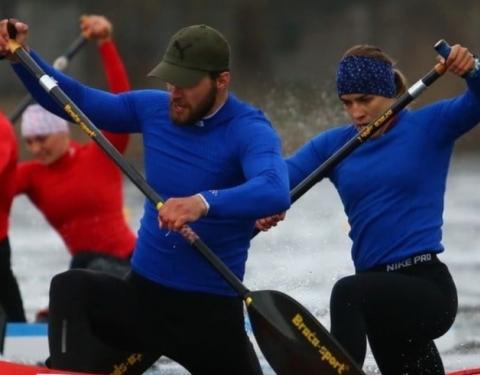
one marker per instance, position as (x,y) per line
(81,194)
(8,163)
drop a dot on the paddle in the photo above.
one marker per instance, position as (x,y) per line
(366,132)
(292,340)
(60,63)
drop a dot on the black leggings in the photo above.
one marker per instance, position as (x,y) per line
(94,260)
(10,298)
(98,322)
(400,312)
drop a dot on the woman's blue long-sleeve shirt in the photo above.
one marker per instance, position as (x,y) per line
(393,187)
(233,159)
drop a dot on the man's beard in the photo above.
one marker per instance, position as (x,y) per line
(198,112)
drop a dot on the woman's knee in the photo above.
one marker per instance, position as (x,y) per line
(345,291)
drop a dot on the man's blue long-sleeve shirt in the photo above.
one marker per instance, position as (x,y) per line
(233,159)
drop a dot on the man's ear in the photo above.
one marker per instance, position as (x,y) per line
(223,81)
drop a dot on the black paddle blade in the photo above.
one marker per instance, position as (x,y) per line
(292,340)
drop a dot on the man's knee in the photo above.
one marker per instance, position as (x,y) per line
(68,283)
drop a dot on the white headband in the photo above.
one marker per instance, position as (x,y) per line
(38,121)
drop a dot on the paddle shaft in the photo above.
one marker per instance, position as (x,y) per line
(51,87)
(60,63)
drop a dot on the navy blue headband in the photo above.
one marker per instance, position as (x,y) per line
(365,75)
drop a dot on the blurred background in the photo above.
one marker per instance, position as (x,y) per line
(284,52)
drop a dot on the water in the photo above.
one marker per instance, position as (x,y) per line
(302,257)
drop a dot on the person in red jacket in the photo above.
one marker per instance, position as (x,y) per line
(10,297)
(76,186)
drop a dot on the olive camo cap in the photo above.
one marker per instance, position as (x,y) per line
(192,53)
